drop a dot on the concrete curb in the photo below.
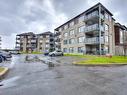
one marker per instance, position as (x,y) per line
(4,72)
(101,65)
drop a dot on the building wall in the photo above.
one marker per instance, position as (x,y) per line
(110,44)
(120,48)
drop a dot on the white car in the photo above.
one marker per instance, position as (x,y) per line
(5,54)
(56,53)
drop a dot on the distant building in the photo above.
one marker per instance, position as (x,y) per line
(120,39)
(45,42)
(29,42)
(26,42)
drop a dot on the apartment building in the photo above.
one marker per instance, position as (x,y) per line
(91,32)
(45,42)
(120,39)
(26,42)
(29,42)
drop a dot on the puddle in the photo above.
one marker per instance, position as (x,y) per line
(9,82)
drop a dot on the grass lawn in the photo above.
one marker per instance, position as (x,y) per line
(1,69)
(96,60)
(32,53)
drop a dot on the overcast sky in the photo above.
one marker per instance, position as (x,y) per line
(18,16)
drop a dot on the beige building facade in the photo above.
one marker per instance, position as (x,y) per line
(26,42)
(91,32)
(30,42)
(45,42)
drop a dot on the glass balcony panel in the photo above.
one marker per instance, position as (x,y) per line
(91,15)
(94,40)
(92,28)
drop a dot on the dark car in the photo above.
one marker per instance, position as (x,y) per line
(46,53)
(2,58)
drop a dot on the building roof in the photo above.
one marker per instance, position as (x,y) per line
(95,6)
(121,26)
(45,33)
(26,34)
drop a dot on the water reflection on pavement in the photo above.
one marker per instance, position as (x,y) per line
(35,78)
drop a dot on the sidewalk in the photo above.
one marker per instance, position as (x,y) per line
(3,72)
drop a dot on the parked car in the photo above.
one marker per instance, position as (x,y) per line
(46,53)
(1,59)
(56,53)
(5,54)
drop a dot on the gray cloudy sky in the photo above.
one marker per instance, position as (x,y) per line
(17,16)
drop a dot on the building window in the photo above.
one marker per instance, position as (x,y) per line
(81,18)
(66,26)
(110,18)
(71,41)
(106,16)
(106,39)
(72,32)
(81,29)
(65,50)
(106,49)
(121,36)
(80,50)
(71,50)
(72,23)
(81,39)
(106,29)
(65,34)
(65,42)
(60,29)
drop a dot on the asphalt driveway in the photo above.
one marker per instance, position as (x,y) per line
(36,78)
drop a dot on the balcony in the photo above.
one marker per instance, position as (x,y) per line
(92,15)
(33,41)
(94,40)
(94,27)
(17,42)
(17,38)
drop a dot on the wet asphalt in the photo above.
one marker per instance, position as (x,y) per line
(36,78)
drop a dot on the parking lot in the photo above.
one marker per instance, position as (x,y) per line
(36,78)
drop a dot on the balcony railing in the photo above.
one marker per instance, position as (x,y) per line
(92,28)
(94,40)
(91,15)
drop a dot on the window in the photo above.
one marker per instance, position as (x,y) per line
(106,49)
(121,36)
(81,39)
(110,18)
(80,50)
(71,50)
(60,29)
(106,39)
(106,16)
(66,26)
(65,42)
(46,45)
(106,29)
(72,23)
(81,29)
(65,50)
(71,41)
(81,18)
(65,34)
(72,32)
